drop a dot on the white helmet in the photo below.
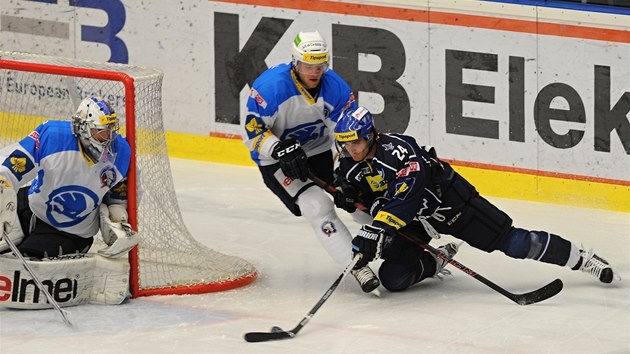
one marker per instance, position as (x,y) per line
(95,113)
(310,48)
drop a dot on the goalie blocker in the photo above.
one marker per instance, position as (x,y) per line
(71,280)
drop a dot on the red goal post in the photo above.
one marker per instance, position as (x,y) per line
(168,260)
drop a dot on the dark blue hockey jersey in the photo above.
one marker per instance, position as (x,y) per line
(404,173)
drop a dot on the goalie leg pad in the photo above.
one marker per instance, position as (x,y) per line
(67,280)
(71,280)
(110,285)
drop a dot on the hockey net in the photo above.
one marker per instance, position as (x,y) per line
(168,260)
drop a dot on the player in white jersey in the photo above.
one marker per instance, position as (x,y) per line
(291,112)
(68,180)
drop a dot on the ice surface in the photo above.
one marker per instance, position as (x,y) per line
(229,209)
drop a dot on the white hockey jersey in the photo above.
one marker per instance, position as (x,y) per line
(279,108)
(67,188)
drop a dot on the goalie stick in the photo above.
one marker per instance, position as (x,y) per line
(531,297)
(65,315)
(277,332)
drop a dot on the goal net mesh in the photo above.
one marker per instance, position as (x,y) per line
(168,259)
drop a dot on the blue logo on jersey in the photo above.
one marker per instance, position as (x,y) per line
(305,132)
(70,205)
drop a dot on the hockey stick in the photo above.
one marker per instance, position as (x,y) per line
(531,297)
(277,332)
(66,315)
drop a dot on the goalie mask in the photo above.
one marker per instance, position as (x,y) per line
(96,126)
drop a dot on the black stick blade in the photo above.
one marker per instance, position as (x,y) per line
(267,336)
(539,295)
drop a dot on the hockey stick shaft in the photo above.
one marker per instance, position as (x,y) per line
(65,315)
(326,295)
(267,336)
(532,297)
(535,296)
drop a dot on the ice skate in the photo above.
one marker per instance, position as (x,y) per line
(596,266)
(366,278)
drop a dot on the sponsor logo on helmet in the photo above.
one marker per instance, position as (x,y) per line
(315,58)
(359,113)
(108,119)
(319,46)
(346,136)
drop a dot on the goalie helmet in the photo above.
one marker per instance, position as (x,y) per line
(95,124)
(309,48)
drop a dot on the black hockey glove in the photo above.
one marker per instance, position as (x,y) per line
(377,205)
(368,242)
(347,196)
(431,150)
(292,158)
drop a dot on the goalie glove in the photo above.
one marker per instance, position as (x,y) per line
(9,223)
(8,203)
(116,231)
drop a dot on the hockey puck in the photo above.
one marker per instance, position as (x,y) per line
(276,329)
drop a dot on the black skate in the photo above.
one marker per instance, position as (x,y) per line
(596,266)
(366,278)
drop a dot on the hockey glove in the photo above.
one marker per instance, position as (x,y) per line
(430,150)
(292,158)
(346,197)
(377,205)
(116,231)
(368,242)
(8,204)
(9,223)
